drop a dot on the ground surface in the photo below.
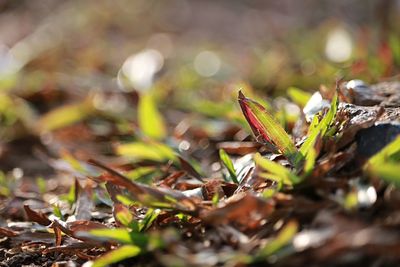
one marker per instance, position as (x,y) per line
(124,139)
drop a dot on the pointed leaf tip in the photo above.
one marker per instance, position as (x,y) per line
(241,95)
(265,126)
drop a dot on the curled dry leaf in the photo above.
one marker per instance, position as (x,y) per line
(79,230)
(84,203)
(58,235)
(242,208)
(70,248)
(8,232)
(186,166)
(37,216)
(172,178)
(212,188)
(239,148)
(147,194)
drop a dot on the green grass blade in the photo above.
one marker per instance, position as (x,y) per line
(309,162)
(226,160)
(298,96)
(385,164)
(277,170)
(150,119)
(320,129)
(150,217)
(65,116)
(391,152)
(146,151)
(389,172)
(120,235)
(119,254)
(283,238)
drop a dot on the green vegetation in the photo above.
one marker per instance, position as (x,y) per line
(199,133)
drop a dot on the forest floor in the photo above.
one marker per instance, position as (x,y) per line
(153,146)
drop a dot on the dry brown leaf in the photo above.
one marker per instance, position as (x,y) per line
(36,216)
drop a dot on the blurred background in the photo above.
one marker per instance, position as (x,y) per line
(136,83)
(62,62)
(271,44)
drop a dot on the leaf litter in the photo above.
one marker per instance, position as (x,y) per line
(150,162)
(279,202)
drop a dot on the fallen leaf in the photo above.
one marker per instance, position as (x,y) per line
(36,216)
